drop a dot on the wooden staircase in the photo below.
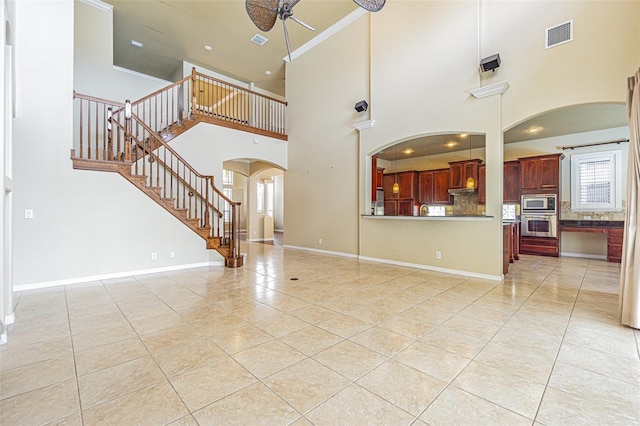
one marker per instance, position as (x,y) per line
(132,139)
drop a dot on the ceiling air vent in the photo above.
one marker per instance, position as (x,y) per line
(559,34)
(258,39)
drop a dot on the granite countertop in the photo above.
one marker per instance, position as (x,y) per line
(592,223)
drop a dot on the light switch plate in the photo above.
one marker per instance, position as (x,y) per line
(28,214)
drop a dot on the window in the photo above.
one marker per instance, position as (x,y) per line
(227,177)
(228,192)
(269,198)
(260,197)
(596,182)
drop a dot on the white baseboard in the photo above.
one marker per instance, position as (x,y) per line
(9,319)
(584,256)
(335,253)
(254,240)
(80,280)
(434,268)
(411,265)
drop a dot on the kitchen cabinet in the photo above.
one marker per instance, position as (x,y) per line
(540,245)
(460,171)
(511,192)
(441,187)
(540,174)
(511,182)
(614,245)
(376,177)
(425,187)
(402,203)
(482,184)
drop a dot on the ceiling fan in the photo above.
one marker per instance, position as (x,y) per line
(263,13)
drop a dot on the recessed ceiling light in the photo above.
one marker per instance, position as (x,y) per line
(136,43)
(463,135)
(534,129)
(207,47)
(451,144)
(267,72)
(408,151)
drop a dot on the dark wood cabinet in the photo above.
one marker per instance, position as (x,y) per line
(376,177)
(614,245)
(441,187)
(425,187)
(482,184)
(539,245)
(460,171)
(511,182)
(511,192)
(540,174)
(403,202)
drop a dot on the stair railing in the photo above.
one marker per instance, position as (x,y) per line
(111,133)
(177,180)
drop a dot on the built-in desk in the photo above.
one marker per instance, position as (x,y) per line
(614,229)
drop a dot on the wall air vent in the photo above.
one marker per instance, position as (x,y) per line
(258,39)
(559,34)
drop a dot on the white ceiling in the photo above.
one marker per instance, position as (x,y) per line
(177,30)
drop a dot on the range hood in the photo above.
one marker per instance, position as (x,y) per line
(462,191)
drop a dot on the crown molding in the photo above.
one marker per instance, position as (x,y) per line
(363,125)
(343,23)
(492,89)
(98,4)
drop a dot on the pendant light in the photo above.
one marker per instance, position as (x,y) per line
(396,186)
(471,183)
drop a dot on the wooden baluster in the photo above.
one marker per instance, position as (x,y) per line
(127,118)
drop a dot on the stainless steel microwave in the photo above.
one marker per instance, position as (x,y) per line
(539,204)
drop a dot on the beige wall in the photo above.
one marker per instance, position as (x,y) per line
(321,183)
(423,62)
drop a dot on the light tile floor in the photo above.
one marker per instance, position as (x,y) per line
(349,342)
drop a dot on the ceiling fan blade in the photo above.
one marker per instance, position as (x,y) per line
(286,37)
(370,5)
(304,24)
(263,13)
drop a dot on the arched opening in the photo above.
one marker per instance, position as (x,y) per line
(259,186)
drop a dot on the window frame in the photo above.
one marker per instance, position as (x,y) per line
(615,183)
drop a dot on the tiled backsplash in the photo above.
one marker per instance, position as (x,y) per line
(467,203)
(567,214)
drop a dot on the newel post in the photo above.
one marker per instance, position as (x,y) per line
(128,139)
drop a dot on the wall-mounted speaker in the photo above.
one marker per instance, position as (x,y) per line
(490,63)
(361,106)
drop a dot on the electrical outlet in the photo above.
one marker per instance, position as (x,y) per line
(319,240)
(172,254)
(28,214)
(154,256)
(438,254)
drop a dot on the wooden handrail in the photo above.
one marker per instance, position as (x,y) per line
(244,89)
(164,89)
(168,147)
(94,99)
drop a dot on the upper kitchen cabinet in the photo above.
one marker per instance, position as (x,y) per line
(425,187)
(540,174)
(511,193)
(403,202)
(460,171)
(482,184)
(441,187)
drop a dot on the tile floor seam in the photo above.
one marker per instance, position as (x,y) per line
(555,361)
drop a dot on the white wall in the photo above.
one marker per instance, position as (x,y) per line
(6,164)
(85,224)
